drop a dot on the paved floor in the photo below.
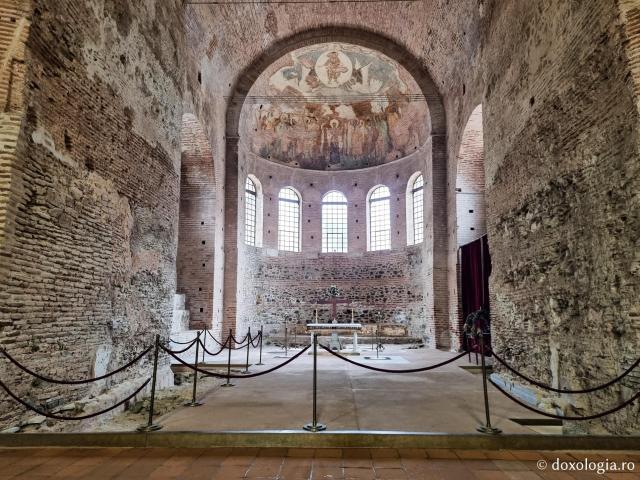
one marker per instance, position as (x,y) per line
(448,399)
(299,464)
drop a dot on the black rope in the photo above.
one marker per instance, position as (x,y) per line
(210,353)
(241,341)
(386,370)
(562,417)
(562,390)
(257,337)
(225,343)
(193,342)
(59,417)
(74,382)
(221,375)
(215,340)
(182,343)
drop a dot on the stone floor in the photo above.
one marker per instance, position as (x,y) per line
(298,464)
(448,399)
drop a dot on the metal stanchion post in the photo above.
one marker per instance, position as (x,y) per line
(486,428)
(204,343)
(260,360)
(371,339)
(377,341)
(246,367)
(229,340)
(286,341)
(314,426)
(150,426)
(193,402)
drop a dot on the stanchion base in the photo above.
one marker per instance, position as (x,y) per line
(260,363)
(318,427)
(193,404)
(228,385)
(154,427)
(489,430)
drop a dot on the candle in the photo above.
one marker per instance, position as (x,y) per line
(316,315)
(352,315)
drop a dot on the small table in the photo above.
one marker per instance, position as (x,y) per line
(334,328)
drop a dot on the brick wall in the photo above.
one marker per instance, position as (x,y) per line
(89,271)
(470,195)
(196,236)
(561,149)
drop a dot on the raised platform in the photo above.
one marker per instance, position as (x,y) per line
(327,439)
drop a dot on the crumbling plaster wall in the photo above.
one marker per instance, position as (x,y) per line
(89,268)
(562,177)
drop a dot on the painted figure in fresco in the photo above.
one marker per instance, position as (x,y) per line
(334,67)
(309,128)
(312,79)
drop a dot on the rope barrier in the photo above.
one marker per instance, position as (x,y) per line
(74,382)
(239,347)
(208,352)
(562,390)
(257,337)
(181,343)
(241,341)
(82,417)
(220,375)
(562,417)
(216,340)
(193,342)
(386,370)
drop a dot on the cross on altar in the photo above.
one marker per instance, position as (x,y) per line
(334,301)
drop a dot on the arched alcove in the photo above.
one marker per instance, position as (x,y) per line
(293,122)
(197,224)
(473,260)
(470,194)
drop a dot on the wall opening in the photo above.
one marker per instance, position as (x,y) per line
(197,222)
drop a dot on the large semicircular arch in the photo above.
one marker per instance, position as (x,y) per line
(355,36)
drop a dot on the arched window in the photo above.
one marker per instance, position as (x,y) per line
(415,209)
(379,234)
(334,223)
(250,194)
(288,220)
(252,212)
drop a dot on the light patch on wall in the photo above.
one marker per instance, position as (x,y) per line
(41,137)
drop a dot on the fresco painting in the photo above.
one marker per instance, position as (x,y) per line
(332,107)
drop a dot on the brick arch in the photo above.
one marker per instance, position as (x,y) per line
(196,226)
(470,189)
(363,38)
(439,312)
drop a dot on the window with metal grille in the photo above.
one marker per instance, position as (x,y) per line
(288,220)
(417,206)
(334,223)
(379,219)
(250,204)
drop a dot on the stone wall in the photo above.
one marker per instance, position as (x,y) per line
(274,285)
(89,265)
(561,149)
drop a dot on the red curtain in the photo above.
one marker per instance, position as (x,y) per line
(475,268)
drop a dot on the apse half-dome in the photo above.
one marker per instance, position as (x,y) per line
(334,106)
